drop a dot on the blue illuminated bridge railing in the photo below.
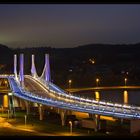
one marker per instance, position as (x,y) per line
(70,102)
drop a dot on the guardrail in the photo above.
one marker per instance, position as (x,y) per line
(78,104)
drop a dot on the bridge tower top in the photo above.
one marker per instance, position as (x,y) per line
(15,66)
(46,71)
(33,68)
(21,72)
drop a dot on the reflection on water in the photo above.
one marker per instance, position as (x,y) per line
(134,97)
(125,97)
(131,97)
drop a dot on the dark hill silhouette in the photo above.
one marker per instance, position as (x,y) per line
(115,57)
(6,61)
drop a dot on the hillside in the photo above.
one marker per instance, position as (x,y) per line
(112,63)
(6,61)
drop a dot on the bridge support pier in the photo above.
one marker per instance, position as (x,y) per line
(22,104)
(92,116)
(40,107)
(27,104)
(62,115)
(58,110)
(11,105)
(16,102)
(68,112)
(97,120)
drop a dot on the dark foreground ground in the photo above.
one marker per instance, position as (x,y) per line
(52,127)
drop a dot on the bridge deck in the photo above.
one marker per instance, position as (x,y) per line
(104,88)
(35,88)
(74,103)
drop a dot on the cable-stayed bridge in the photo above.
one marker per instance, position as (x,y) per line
(42,91)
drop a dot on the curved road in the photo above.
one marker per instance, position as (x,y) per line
(35,88)
(103,88)
(77,104)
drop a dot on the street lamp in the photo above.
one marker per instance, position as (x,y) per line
(11,104)
(125,80)
(70,81)
(10,94)
(97,81)
(70,122)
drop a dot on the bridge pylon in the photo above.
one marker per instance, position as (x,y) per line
(33,68)
(21,72)
(46,71)
(15,66)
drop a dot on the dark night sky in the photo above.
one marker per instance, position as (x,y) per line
(68,25)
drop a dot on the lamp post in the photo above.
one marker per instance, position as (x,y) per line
(70,81)
(70,122)
(11,104)
(97,81)
(125,80)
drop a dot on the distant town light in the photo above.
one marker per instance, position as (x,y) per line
(70,81)
(97,81)
(125,80)
(70,70)
(92,61)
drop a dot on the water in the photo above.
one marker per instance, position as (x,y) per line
(116,96)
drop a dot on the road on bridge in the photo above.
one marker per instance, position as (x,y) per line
(103,88)
(35,88)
